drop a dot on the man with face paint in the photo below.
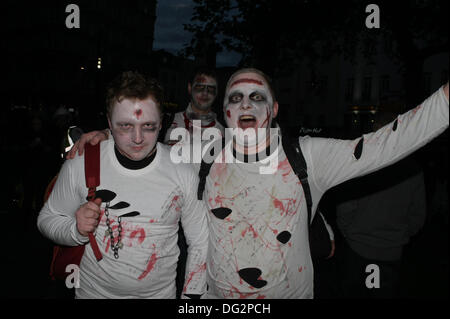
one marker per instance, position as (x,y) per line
(139,203)
(202,89)
(258,231)
(258,245)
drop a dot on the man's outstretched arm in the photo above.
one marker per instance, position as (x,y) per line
(333,161)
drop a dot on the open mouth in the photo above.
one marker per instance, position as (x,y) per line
(247,121)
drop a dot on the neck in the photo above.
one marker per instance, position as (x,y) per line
(252,149)
(134,165)
(199,111)
(257,153)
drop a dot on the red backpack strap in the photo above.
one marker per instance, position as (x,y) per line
(92,176)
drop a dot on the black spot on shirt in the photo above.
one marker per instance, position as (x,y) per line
(394,127)
(284,237)
(221,212)
(251,276)
(359,148)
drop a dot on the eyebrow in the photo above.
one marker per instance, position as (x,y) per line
(131,123)
(245,80)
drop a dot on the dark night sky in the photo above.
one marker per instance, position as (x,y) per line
(170,34)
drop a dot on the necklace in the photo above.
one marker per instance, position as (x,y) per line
(115,245)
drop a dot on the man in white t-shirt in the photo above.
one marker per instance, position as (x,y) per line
(258,231)
(139,202)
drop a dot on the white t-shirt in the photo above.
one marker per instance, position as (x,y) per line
(258,222)
(162,193)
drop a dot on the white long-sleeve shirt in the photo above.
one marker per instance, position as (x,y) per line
(258,222)
(162,193)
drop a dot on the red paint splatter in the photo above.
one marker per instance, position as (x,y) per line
(279,204)
(285,169)
(266,120)
(175,204)
(199,269)
(150,266)
(245,80)
(300,269)
(250,228)
(228,114)
(139,232)
(138,113)
(218,200)
(152,221)
(414,111)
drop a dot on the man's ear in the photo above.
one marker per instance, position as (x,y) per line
(189,88)
(275,109)
(109,123)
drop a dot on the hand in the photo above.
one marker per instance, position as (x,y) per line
(93,138)
(333,248)
(87,216)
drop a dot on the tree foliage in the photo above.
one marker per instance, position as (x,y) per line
(270,33)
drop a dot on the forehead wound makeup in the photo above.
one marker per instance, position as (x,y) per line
(138,113)
(245,80)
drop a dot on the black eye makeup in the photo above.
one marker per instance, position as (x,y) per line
(257,97)
(235,97)
(211,89)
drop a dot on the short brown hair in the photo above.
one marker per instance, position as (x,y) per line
(133,85)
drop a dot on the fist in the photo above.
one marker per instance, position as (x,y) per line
(87,216)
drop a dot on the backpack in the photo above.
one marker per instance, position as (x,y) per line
(66,255)
(319,240)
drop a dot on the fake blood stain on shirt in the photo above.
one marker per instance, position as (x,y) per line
(150,265)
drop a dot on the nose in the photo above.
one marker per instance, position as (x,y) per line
(137,136)
(245,104)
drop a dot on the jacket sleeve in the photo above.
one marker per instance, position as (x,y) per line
(333,161)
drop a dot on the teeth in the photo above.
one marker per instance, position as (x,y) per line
(247,117)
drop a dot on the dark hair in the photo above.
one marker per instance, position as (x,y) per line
(203,70)
(133,85)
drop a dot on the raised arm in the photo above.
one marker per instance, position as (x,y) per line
(333,161)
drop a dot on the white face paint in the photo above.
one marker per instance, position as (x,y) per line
(248,105)
(135,126)
(203,92)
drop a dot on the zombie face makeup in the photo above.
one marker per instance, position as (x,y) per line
(249,105)
(135,126)
(203,92)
